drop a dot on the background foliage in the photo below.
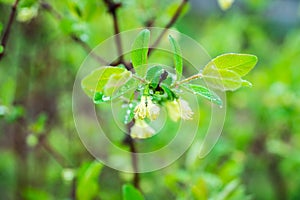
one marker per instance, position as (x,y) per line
(257,156)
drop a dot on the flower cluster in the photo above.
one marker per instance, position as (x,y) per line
(146,109)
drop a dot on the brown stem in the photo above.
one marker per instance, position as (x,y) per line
(8,27)
(73,189)
(134,159)
(136,177)
(112,9)
(88,49)
(49,8)
(168,25)
(42,142)
(56,155)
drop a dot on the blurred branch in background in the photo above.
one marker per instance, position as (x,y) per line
(112,9)
(259,149)
(42,142)
(48,7)
(168,25)
(8,27)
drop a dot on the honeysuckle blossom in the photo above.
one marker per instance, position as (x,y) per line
(141,130)
(146,108)
(179,108)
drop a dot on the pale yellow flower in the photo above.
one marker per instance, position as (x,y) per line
(152,110)
(186,111)
(141,130)
(146,108)
(179,108)
(140,110)
(173,110)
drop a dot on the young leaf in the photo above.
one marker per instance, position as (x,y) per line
(139,52)
(87,184)
(131,193)
(153,75)
(177,57)
(1,48)
(224,72)
(105,80)
(222,79)
(115,81)
(170,94)
(239,63)
(204,92)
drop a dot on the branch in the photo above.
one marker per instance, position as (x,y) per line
(88,49)
(128,140)
(168,25)
(48,7)
(188,79)
(42,142)
(51,10)
(8,27)
(57,156)
(112,9)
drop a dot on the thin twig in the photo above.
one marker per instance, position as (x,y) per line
(42,142)
(117,35)
(8,27)
(112,9)
(88,49)
(188,79)
(168,25)
(140,79)
(57,156)
(48,7)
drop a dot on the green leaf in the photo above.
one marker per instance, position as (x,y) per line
(139,52)
(38,127)
(169,80)
(242,64)
(1,49)
(131,193)
(129,112)
(153,75)
(115,82)
(99,97)
(104,82)
(130,85)
(228,190)
(170,94)
(88,184)
(177,57)
(223,80)
(205,92)
(224,72)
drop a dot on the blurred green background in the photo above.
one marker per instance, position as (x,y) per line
(257,156)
